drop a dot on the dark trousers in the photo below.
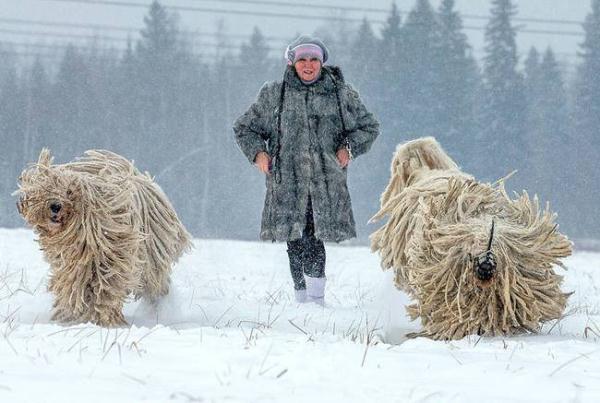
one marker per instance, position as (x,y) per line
(307,254)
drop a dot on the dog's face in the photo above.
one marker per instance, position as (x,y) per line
(467,249)
(47,199)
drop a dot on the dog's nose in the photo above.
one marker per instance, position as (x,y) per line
(485,266)
(55,208)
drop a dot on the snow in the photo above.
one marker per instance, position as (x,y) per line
(230,331)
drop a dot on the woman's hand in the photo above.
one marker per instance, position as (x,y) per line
(263,162)
(343,157)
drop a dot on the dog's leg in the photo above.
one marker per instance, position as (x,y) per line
(155,273)
(107,307)
(156,284)
(109,316)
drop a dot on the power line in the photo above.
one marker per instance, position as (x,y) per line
(386,11)
(214,10)
(18,21)
(286,15)
(30,54)
(301,5)
(27,52)
(100,38)
(58,56)
(117,39)
(185,34)
(121,28)
(63,35)
(43,46)
(197,46)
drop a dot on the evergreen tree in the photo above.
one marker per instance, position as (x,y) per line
(459,84)
(37,110)
(503,119)
(423,70)
(588,83)
(255,53)
(533,90)
(100,119)
(363,56)
(159,67)
(338,37)
(547,124)
(12,129)
(71,106)
(389,81)
(532,71)
(377,69)
(127,105)
(391,36)
(363,71)
(586,129)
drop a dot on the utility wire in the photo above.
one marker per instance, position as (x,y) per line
(194,46)
(18,21)
(197,45)
(120,28)
(95,36)
(63,35)
(285,15)
(383,10)
(215,10)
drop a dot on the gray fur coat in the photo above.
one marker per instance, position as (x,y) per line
(304,152)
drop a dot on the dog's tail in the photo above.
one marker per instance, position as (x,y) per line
(416,155)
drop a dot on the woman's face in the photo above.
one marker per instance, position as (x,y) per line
(308,68)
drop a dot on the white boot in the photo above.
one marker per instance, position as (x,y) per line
(300,296)
(315,289)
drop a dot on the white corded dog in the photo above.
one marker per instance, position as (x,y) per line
(474,260)
(107,231)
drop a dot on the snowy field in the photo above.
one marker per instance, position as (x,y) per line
(231,332)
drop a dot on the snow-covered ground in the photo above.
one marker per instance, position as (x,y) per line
(231,332)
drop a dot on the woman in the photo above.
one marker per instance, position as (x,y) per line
(302,133)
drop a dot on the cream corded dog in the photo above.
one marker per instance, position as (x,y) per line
(474,260)
(107,231)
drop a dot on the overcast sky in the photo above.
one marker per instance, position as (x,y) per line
(205,19)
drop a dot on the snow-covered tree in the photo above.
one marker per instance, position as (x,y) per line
(422,75)
(12,128)
(160,66)
(363,56)
(37,108)
(72,105)
(547,123)
(503,112)
(588,81)
(586,126)
(459,83)
(388,78)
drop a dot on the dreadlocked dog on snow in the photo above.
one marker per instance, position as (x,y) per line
(107,231)
(474,260)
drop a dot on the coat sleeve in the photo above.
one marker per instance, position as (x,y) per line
(362,128)
(252,129)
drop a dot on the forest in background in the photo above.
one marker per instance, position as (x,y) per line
(170,110)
